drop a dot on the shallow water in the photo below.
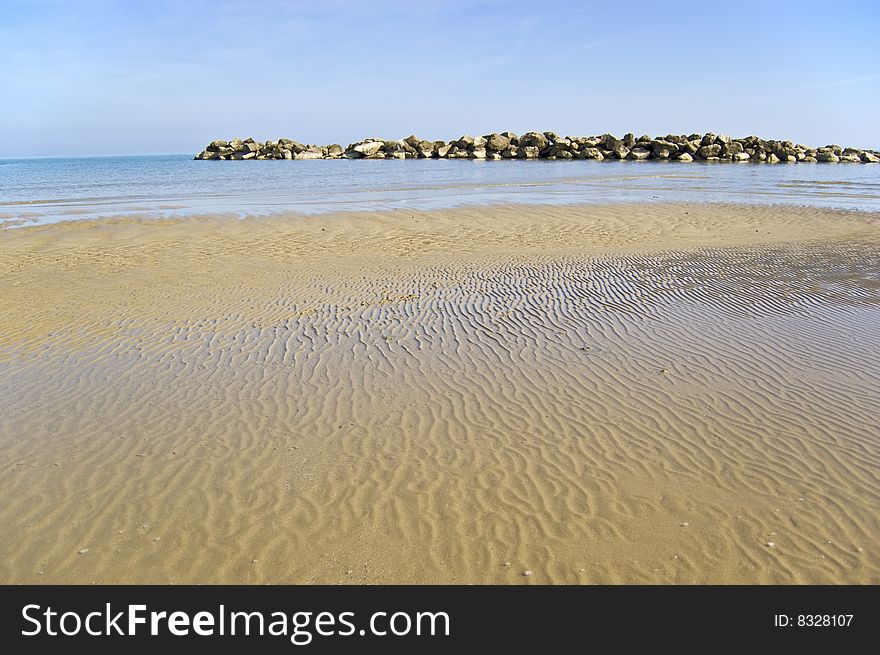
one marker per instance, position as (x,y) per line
(36,191)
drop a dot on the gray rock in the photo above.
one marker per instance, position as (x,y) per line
(610,142)
(663,149)
(732,148)
(685,156)
(534,140)
(368,148)
(711,150)
(496,142)
(639,153)
(528,152)
(514,139)
(621,151)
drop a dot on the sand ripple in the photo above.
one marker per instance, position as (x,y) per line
(656,416)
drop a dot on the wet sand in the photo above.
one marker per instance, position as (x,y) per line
(621,394)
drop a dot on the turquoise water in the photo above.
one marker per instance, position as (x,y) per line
(35,191)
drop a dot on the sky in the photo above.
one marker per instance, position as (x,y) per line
(107,77)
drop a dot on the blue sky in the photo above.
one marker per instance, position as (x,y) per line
(126,76)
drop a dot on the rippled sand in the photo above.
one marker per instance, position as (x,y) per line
(594,394)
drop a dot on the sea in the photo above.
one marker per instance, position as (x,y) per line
(47,190)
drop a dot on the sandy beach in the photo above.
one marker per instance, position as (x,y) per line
(640,393)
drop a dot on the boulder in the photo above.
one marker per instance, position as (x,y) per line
(732,148)
(685,156)
(309,154)
(528,152)
(741,156)
(610,142)
(509,152)
(710,150)
(663,149)
(425,149)
(621,151)
(827,154)
(869,157)
(496,142)
(368,148)
(413,141)
(442,150)
(478,153)
(514,139)
(533,140)
(465,141)
(334,150)
(639,153)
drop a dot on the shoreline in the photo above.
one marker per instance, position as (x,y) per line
(597,394)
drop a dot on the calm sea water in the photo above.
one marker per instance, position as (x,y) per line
(34,191)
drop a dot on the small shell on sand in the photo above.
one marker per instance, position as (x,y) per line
(527,573)
(83,551)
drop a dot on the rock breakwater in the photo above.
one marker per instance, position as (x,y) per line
(548,145)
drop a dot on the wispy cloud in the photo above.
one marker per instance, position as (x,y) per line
(594,45)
